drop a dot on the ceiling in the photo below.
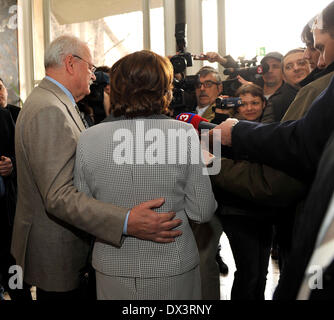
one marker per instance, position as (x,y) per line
(74,11)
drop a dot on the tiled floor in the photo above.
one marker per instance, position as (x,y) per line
(227,281)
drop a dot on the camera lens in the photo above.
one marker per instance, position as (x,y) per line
(179,64)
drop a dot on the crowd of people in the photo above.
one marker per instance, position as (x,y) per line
(102,197)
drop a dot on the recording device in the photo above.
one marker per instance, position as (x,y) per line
(227,103)
(181,61)
(184,59)
(183,99)
(184,86)
(198,122)
(247,71)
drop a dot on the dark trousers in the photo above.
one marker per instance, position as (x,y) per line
(42,295)
(250,241)
(7,260)
(86,291)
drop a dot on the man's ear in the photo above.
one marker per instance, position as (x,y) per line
(68,62)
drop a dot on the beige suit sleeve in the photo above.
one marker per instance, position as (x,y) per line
(50,141)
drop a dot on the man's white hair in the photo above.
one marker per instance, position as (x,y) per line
(61,47)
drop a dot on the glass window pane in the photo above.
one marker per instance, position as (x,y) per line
(275,26)
(157,28)
(9,49)
(210,28)
(109,38)
(38,39)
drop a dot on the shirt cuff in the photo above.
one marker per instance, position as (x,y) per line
(125,228)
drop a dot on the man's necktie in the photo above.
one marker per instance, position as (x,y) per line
(81,117)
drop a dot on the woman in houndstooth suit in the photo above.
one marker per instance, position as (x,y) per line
(137,155)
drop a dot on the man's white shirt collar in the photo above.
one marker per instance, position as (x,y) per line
(200,111)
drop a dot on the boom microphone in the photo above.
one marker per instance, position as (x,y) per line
(244,72)
(198,122)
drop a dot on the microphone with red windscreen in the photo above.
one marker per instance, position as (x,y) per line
(198,122)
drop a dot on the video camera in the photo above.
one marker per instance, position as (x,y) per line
(184,98)
(248,69)
(227,103)
(181,61)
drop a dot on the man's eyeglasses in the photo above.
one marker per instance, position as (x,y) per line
(91,67)
(206,84)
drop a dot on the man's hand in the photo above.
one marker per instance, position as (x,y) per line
(242,80)
(146,224)
(215,57)
(6,166)
(226,131)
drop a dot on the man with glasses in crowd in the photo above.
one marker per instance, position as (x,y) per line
(208,89)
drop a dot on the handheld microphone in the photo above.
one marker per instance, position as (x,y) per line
(244,72)
(198,122)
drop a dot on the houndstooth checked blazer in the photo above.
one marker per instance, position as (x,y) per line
(186,191)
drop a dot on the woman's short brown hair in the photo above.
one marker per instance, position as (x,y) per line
(141,84)
(251,88)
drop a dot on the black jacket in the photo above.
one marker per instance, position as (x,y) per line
(281,100)
(308,224)
(14,111)
(8,201)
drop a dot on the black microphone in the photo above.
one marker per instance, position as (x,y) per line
(244,72)
(197,121)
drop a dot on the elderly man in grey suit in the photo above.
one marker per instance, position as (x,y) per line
(48,239)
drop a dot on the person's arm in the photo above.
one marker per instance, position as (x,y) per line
(226,61)
(51,158)
(258,183)
(215,57)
